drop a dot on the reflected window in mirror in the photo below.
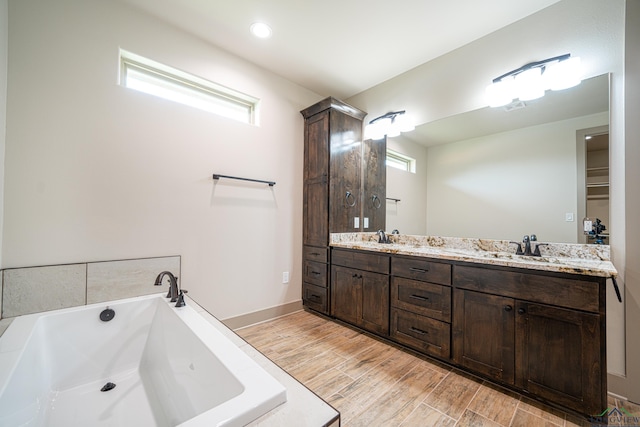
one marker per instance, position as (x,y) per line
(401,161)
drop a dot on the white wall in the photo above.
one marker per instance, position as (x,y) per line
(95,171)
(4,44)
(409,216)
(507,185)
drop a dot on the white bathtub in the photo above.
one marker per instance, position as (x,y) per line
(170,367)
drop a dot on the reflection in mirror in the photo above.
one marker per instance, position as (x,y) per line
(499,173)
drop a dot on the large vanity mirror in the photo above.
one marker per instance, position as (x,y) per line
(502,173)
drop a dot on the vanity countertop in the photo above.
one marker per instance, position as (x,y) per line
(590,260)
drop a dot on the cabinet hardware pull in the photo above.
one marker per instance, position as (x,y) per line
(313,296)
(419,270)
(354,275)
(418,331)
(315,253)
(419,297)
(346,199)
(522,311)
(508,308)
(375,198)
(315,273)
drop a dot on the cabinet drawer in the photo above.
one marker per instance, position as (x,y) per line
(313,253)
(560,291)
(315,273)
(424,334)
(421,269)
(315,297)
(427,299)
(366,261)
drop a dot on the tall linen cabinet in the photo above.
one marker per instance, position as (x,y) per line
(344,189)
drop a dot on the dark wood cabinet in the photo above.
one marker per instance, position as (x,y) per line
(537,332)
(360,290)
(551,345)
(421,305)
(344,182)
(558,356)
(483,334)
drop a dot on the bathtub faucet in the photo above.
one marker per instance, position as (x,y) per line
(173,284)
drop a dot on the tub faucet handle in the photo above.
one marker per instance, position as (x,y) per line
(180,302)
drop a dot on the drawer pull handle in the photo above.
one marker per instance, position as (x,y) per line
(418,331)
(522,311)
(419,297)
(508,308)
(314,297)
(315,253)
(315,273)
(419,270)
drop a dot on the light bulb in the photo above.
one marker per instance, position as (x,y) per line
(501,92)
(529,84)
(563,74)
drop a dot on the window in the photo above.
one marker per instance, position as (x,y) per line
(400,161)
(147,76)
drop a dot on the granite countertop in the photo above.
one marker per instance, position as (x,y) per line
(590,260)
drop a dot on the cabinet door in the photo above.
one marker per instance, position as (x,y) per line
(346,294)
(316,187)
(345,177)
(316,147)
(374,184)
(483,334)
(375,302)
(558,356)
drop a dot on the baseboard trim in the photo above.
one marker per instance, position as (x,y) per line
(617,385)
(262,315)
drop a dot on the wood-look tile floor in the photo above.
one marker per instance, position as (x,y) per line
(373,383)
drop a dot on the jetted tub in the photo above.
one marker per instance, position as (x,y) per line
(169,366)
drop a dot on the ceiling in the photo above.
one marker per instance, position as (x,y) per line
(341,47)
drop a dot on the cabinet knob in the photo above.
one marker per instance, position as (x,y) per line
(508,308)
(521,311)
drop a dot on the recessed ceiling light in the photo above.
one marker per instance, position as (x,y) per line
(261,30)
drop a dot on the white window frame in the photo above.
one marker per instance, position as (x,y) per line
(145,75)
(400,161)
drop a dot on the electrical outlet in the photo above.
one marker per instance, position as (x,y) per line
(285,277)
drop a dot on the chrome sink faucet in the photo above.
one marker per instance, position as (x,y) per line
(175,293)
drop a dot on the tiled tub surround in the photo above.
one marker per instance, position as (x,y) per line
(591,260)
(37,289)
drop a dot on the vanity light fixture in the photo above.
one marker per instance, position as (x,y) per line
(390,124)
(532,80)
(261,30)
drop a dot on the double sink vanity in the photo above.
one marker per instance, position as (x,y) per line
(534,324)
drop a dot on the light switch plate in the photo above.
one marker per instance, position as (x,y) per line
(568,217)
